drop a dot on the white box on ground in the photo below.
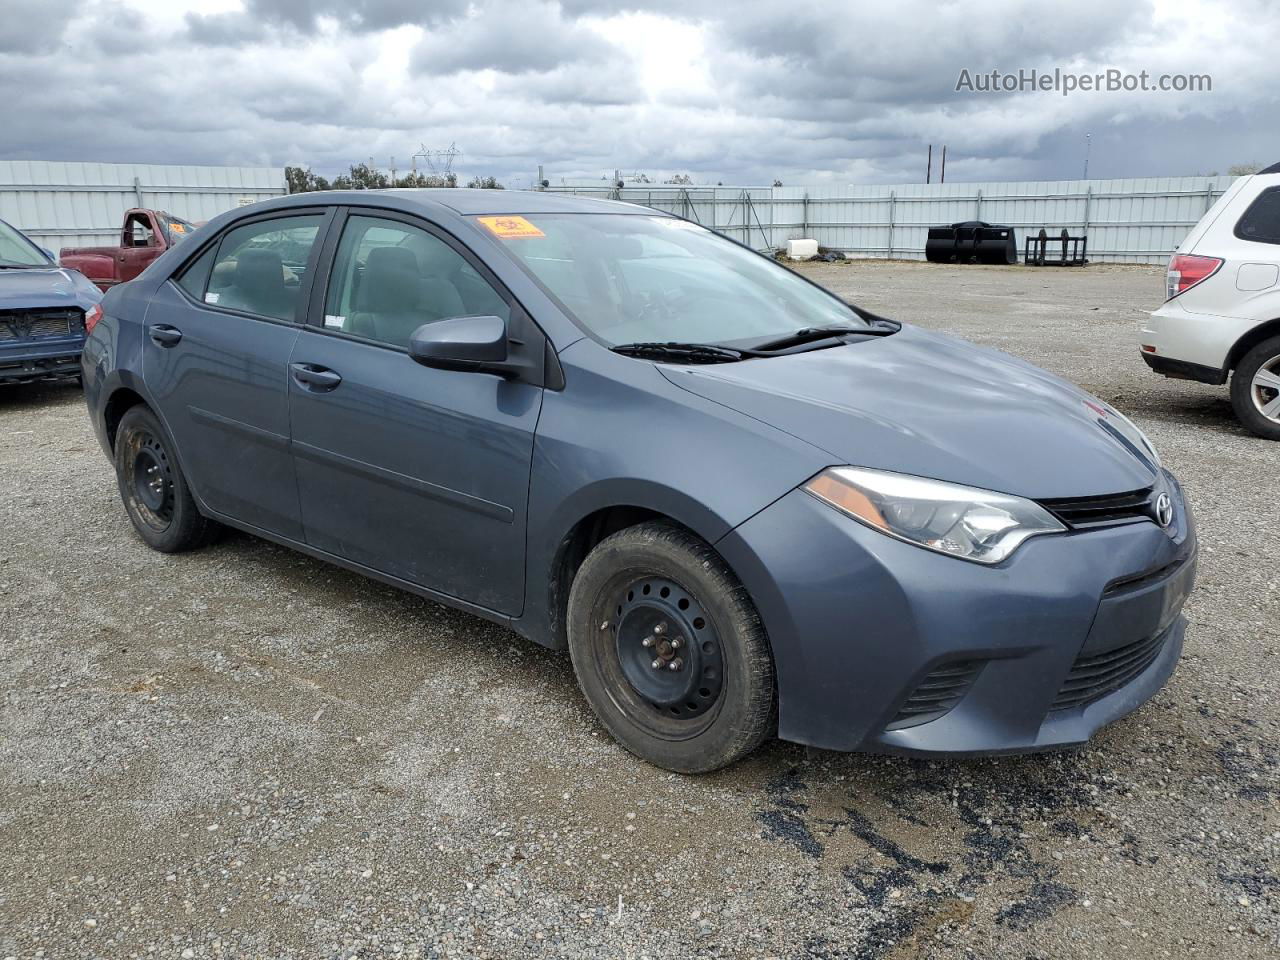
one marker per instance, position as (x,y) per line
(802,249)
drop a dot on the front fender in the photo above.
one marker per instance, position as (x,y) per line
(621,435)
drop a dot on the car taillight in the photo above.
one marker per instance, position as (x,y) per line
(91,318)
(1185,271)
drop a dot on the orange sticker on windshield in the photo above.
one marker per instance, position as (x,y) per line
(511,227)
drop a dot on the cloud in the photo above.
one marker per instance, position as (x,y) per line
(805,91)
(508,36)
(34,26)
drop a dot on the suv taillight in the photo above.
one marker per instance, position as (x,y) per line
(91,318)
(1185,271)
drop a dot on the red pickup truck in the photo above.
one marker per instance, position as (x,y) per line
(146,235)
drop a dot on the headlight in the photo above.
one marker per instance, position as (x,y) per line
(960,521)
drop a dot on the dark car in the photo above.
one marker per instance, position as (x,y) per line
(743,505)
(43,312)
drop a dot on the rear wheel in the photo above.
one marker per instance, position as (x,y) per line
(669,649)
(154,491)
(1255,389)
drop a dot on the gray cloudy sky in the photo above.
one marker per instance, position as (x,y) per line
(743,91)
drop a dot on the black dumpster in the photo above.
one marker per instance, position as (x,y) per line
(970,241)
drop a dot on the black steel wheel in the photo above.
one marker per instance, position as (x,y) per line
(669,650)
(152,487)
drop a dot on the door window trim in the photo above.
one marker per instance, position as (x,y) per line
(314,319)
(327,215)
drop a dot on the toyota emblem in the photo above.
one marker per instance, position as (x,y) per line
(1164,510)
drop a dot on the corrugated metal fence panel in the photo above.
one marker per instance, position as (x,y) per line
(1134,220)
(83,204)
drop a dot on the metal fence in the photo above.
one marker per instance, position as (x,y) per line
(81,204)
(1127,221)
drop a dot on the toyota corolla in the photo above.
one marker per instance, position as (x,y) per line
(745,507)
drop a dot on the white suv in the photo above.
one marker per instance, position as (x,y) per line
(1222,315)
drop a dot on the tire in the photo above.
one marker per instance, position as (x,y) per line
(656,594)
(154,491)
(1252,392)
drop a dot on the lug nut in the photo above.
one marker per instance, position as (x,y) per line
(657,664)
(675,664)
(676,643)
(647,642)
(660,629)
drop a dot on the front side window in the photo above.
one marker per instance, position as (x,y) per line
(1261,222)
(389,278)
(641,279)
(259,268)
(138,232)
(17,251)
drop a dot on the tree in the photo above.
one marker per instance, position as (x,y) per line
(427,180)
(683,179)
(485,183)
(362,177)
(1243,169)
(304,181)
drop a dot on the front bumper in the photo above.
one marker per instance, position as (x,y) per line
(40,359)
(860,623)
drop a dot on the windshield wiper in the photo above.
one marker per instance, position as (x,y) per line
(813,334)
(685,352)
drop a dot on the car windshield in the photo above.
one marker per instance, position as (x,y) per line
(635,279)
(17,251)
(177,229)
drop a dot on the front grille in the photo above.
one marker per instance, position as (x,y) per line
(1088,512)
(1093,676)
(25,324)
(937,694)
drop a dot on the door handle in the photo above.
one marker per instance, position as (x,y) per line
(164,335)
(315,377)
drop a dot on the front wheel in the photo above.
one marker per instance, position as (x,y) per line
(669,650)
(154,491)
(1255,389)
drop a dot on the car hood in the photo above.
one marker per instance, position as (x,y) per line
(934,406)
(37,287)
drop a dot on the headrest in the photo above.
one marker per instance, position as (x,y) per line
(391,282)
(259,270)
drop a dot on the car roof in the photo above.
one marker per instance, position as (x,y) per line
(469,202)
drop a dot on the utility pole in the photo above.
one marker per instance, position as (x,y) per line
(928,170)
(1088,142)
(942,177)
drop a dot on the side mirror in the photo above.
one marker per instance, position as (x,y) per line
(462,343)
(49,253)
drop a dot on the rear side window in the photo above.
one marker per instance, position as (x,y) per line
(260,267)
(1261,222)
(195,276)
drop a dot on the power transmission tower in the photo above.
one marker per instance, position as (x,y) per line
(439,162)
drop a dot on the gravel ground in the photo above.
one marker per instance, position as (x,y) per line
(242,752)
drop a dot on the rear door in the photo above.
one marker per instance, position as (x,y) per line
(419,473)
(216,361)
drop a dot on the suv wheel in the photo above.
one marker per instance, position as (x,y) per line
(669,649)
(1255,389)
(154,491)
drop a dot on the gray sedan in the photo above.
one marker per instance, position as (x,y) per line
(745,507)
